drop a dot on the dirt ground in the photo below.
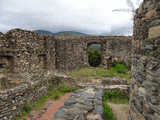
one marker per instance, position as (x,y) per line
(121,111)
(48,111)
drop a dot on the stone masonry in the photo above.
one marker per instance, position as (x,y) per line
(72,52)
(145,86)
(28,64)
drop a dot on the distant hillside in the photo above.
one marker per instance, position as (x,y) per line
(95,46)
(43,32)
(69,33)
(63,33)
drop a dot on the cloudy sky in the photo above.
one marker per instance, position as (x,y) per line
(87,16)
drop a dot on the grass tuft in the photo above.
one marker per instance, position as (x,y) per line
(53,93)
(108,113)
(117,97)
(27,108)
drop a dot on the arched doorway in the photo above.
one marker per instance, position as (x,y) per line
(94,54)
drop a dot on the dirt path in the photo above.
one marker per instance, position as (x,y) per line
(48,111)
(121,111)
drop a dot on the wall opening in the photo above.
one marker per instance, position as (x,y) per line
(94,54)
(42,61)
(6,64)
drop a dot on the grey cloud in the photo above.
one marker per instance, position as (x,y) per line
(87,16)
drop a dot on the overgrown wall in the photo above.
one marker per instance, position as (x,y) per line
(145,86)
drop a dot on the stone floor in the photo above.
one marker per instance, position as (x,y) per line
(84,104)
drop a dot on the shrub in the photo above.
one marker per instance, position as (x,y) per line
(119,67)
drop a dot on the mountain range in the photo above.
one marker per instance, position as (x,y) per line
(117,32)
(62,33)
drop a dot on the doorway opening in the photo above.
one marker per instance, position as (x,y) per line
(94,54)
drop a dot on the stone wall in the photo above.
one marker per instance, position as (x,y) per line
(24,52)
(33,52)
(145,97)
(13,100)
(72,52)
(29,61)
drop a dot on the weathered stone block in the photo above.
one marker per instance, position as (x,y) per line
(154,32)
(150,14)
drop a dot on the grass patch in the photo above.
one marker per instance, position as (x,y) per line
(108,113)
(53,94)
(90,73)
(114,96)
(21,116)
(27,108)
(117,97)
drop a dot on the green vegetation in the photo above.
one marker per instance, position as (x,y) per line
(119,69)
(117,97)
(108,113)
(27,108)
(94,57)
(53,93)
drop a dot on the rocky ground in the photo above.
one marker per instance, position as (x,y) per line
(83,104)
(87,104)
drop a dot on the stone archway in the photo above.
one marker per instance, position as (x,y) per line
(98,49)
(94,54)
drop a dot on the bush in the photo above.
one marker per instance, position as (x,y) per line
(119,67)
(94,57)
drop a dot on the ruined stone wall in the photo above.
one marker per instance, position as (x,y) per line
(13,100)
(24,52)
(145,97)
(72,52)
(33,52)
(28,63)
